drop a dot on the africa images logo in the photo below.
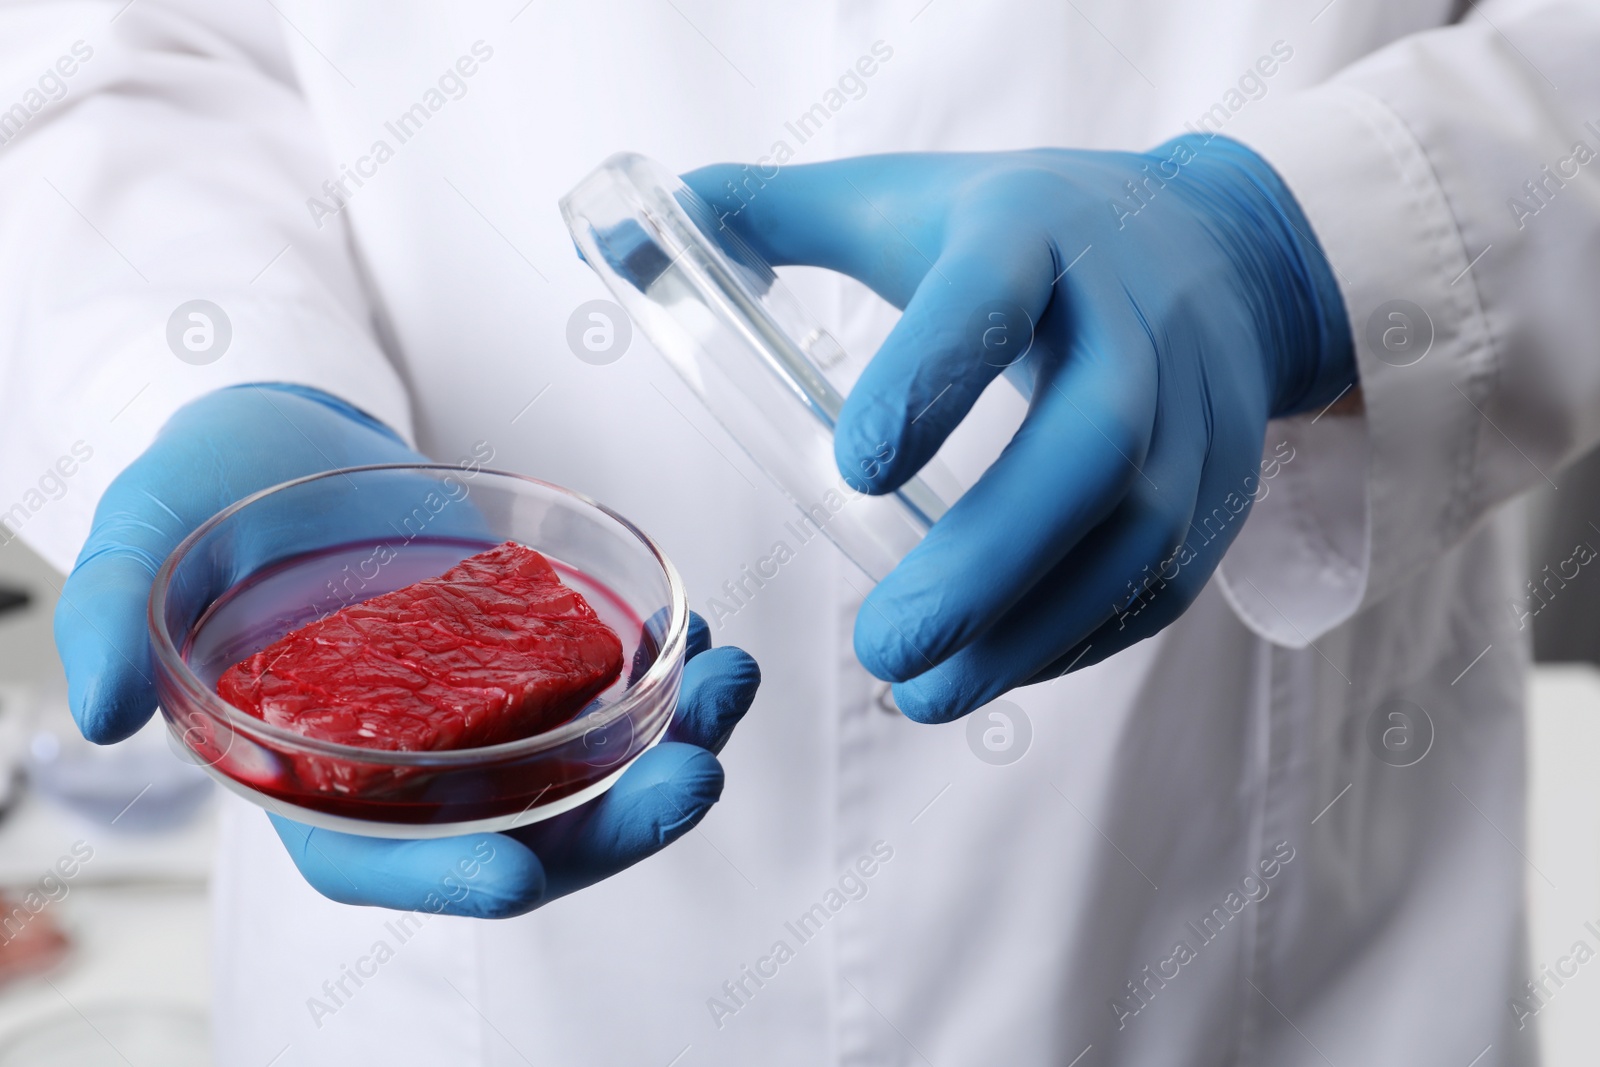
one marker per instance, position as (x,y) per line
(199,332)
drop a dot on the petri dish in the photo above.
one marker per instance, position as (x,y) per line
(746,347)
(293,553)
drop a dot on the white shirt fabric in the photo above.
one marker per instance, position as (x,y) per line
(1217,788)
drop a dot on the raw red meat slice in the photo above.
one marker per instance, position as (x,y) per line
(494,649)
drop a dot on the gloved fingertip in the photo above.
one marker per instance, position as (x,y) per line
(740,674)
(726,674)
(663,796)
(884,648)
(689,796)
(718,688)
(866,445)
(931,699)
(682,776)
(509,883)
(699,636)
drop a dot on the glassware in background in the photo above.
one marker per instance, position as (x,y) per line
(16,723)
(139,786)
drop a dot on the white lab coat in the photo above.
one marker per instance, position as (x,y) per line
(1023,914)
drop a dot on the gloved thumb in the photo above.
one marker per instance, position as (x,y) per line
(104,641)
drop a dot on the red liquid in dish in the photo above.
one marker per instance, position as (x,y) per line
(294,593)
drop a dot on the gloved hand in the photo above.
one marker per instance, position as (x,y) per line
(233,442)
(1169,303)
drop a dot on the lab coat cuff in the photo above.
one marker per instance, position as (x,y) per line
(116,411)
(1366,499)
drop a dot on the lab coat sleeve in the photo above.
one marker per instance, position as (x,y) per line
(1453,180)
(151,155)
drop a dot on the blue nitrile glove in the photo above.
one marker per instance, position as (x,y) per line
(233,442)
(1174,301)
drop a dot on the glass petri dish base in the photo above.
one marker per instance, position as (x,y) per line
(296,552)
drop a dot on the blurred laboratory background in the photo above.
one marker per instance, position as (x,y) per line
(104,859)
(105,853)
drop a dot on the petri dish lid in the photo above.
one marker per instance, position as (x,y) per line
(746,346)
